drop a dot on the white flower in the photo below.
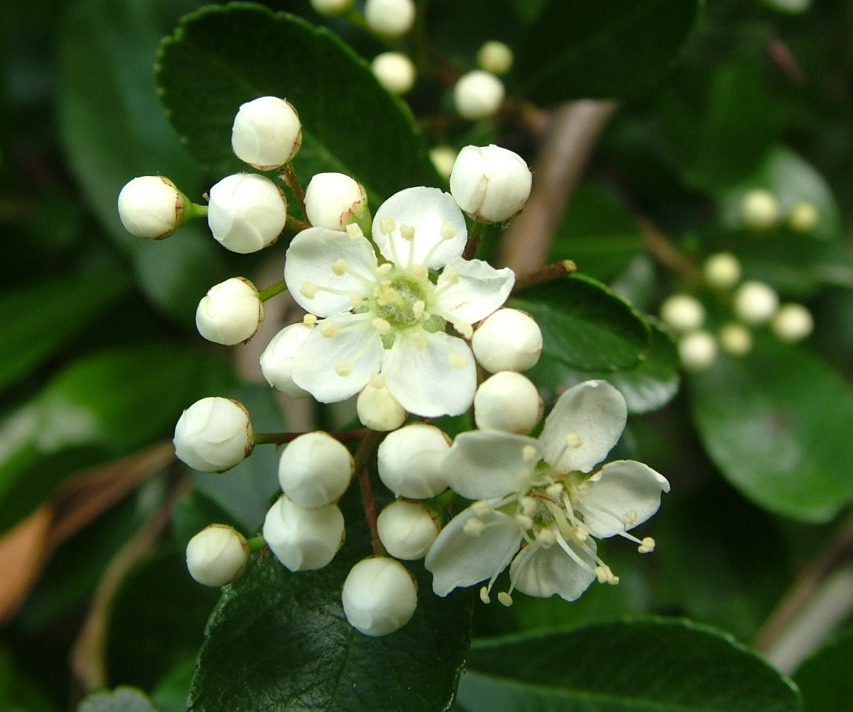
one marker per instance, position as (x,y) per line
(214,434)
(246,213)
(682,313)
(478,95)
(537,511)
(315,469)
(759,209)
(266,133)
(508,340)
(391,18)
(395,71)
(755,302)
(216,555)
(490,183)
(722,270)
(151,206)
(697,350)
(377,409)
(230,312)
(333,200)
(379,596)
(792,323)
(495,57)
(389,317)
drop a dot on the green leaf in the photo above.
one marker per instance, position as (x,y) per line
(584,324)
(32,331)
(113,130)
(171,692)
(645,666)
(777,424)
(825,679)
(123,699)
(279,641)
(604,49)
(222,57)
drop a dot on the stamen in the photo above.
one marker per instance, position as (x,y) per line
(466,330)
(529,453)
(357,300)
(310,320)
(328,328)
(418,308)
(546,537)
(407,232)
(456,361)
(574,440)
(343,369)
(555,490)
(474,527)
(450,275)
(528,505)
(354,231)
(384,269)
(481,508)
(505,599)
(308,290)
(484,595)
(605,575)
(387,226)
(420,272)
(447,231)
(647,545)
(381,325)
(340,267)
(524,522)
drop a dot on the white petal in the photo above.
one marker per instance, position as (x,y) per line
(619,496)
(324,269)
(332,368)
(486,464)
(583,426)
(470,290)
(440,232)
(457,558)
(431,374)
(539,571)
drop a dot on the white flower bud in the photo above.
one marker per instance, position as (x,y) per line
(214,434)
(410,460)
(443,158)
(495,57)
(490,183)
(803,217)
(246,212)
(230,313)
(379,596)
(395,71)
(334,200)
(478,95)
(151,206)
(315,469)
(697,350)
(755,303)
(303,539)
(377,408)
(735,339)
(390,18)
(682,313)
(759,209)
(508,340)
(331,7)
(722,270)
(216,555)
(277,359)
(507,401)
(792,323)
(407,529)
(266,133)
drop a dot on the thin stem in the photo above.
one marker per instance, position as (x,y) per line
(194,210)
(296,224)
(291,180)
(475,237)
(546,274)
(256,543)
(666,254)
(365,450)
(271,291)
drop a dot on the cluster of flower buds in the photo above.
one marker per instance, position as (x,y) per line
(761,211)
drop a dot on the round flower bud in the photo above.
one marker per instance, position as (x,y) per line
(508,340)
(443,158)
(246,212)
(216,555)
(334,200)
(697,350)
(755,303)
(407,529)
(331,7)
(315,469)
(390,18)
(792,323)
(495,57)
(410,460)
(379,596)
(507,401)
(722,270)
(490,183)
(303,539)
(230,313)
(151,206)
(277,359)
(759,209)
(377,408)
(682,313)
(395,72)
(735,339)
(214,434)
(803,217)
(266,133)
(478,95)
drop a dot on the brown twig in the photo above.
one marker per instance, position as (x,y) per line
(666,254)
(546,274)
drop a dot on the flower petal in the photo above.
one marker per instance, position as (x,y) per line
(338,358)
(619,496)
(324,269)
(470,290)
(485,464)
(583,426)
(540,571)
(430,374)
(439,228)
(458,558)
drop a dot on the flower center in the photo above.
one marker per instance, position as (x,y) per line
(401,299)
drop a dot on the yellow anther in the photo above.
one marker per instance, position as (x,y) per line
(630,519)
(419,341)
(481,508)
(418,308)
(524,521)
(308,290)
(473,527)
(450,275)
(580,534)
(377,380)
(354,231)
(647,545)
(605,575)
(407,232)
(328,329)
(457,361)
(447,231)
(555,490)
(356,300)
(343,369)
(340,267)
(310,320)
(546,537)
(381,325)
(419,272)
(384,269)
(528,453)
(574,440)
(484,595)
(505,599)
(387,225)
(528,505)
(466,330)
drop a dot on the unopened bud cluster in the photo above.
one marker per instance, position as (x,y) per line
(761,211)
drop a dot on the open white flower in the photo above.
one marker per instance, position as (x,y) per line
(385,315)
(537,510)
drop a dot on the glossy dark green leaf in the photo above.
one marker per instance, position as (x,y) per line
(825,679)
(122,699)
(604,49)
(644,666)
(584,325)
(171,692)
(114,130)
(222,57)
(777,424)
